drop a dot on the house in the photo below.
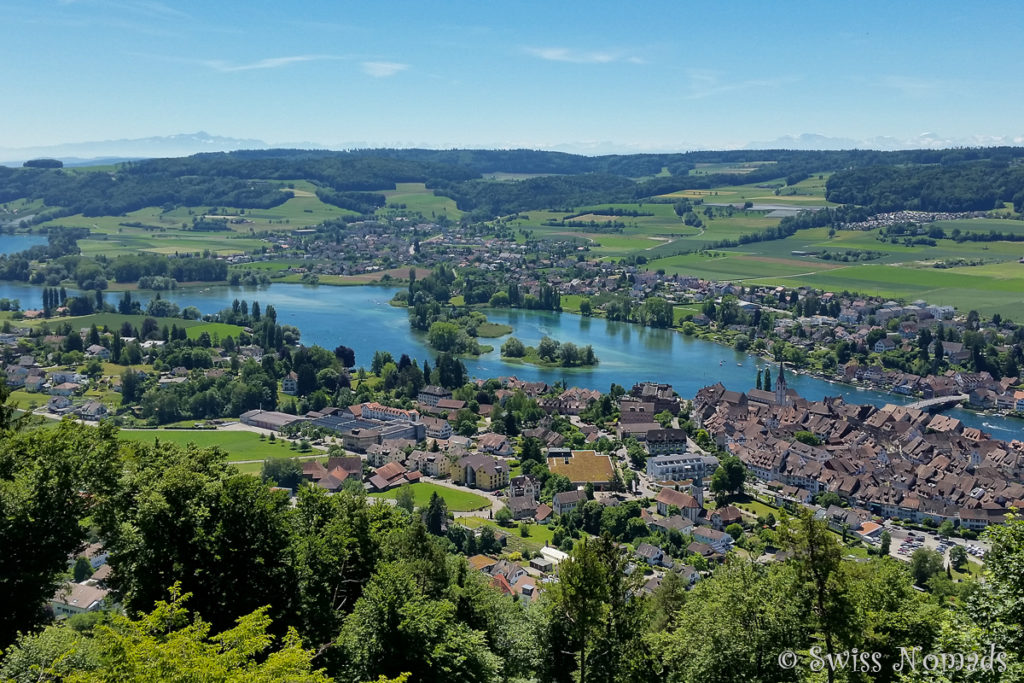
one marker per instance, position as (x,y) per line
(689,575)
(672,523)
(566,501)
(92,410)
(481,471)
(676,467)
(663,441)
(391,475)
(510,571)
(35,383)
(543,514)
(64,389)
(884,344)
(720,541)
(77,598)
(97,351)
(554,554)
(59,404)
(427,462)
(430,395)
(376,411)
(378,455)
(290,383)
(450,405)
(524,485)
(522,507)
(437,428)
(542,564)
(724,516)
(495,444)
(687,504)
(652,554)
(481,563)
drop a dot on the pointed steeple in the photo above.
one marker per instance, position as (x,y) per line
(780,388)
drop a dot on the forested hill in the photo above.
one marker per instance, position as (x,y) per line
(966,186)
(955,180)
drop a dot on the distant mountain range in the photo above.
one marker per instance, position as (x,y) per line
(185,144)
(812,141)
(109,151)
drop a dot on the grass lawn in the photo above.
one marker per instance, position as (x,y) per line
(238,445)
(540,535)
(457,501)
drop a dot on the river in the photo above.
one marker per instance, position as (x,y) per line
(360,317)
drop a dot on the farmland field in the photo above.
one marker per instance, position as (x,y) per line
(417,198)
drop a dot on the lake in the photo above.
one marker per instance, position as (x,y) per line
(360,317)
(12,244)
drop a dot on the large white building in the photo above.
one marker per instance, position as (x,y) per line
(679,466)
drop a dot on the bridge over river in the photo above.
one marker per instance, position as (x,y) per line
(939,403)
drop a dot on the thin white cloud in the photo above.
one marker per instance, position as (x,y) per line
(269,63)
(383,69)
(708,83)
(565,54)
(912,86)
(149,8)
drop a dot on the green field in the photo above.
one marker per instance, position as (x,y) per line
(418,199)
(540,534)
(114,321)
(238,445)
(457,501)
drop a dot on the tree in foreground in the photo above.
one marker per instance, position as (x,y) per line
(168,644)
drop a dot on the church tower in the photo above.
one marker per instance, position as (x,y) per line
(780,388)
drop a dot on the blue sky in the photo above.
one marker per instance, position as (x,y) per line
(645,76)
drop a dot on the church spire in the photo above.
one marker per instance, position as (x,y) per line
(780,388)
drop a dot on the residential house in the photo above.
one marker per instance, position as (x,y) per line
(566,501)
(290,383)
(77,598)
(97,351)
(651,554)
(687,504)
(719,540)
(524,485)
(522,507)
(92,410)
(481,471)
(430,395)
(391,475)
(724,516)
(664,441)
(378,455)
(495,444)
(437,428)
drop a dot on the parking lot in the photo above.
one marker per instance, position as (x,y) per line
(905,542)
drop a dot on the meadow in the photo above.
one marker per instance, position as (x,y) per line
(113,321)
(456,500)
(239,445)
